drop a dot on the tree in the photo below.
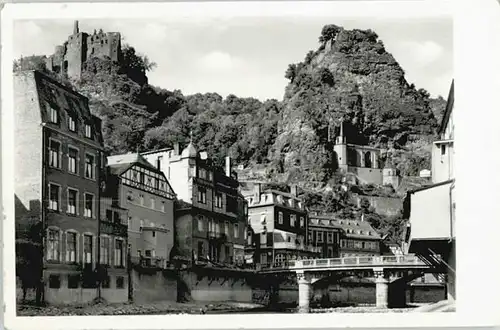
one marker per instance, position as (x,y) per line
(329,32)
(291,72)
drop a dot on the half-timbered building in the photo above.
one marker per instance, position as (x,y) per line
(147,195)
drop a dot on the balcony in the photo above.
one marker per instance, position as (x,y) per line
(214,235)
(114,228)
(294,246)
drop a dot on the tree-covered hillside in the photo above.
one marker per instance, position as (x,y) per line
(349,78)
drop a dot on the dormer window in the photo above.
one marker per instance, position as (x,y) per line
(88,131)
(54,115)
(71,123)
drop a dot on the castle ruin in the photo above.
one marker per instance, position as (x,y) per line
(70,57)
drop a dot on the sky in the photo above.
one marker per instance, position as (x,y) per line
(248,57)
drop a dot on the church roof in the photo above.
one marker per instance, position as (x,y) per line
(189,151)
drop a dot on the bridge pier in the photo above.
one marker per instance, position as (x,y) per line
(304,293)
(381,289)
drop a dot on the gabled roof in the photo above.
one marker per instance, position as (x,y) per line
(449,108)
(118,164)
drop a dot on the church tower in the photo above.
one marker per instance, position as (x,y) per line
(340,149)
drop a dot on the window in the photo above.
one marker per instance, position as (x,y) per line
(200,223)
(226,228)
(319,236)
(443,150)
(54,115)
(153,233)
(109,215)
(106,282)
(141,198)
(54,281)
(236,230)
(362,245)
(117,217)
(55,154)
(119,253)
(72,200)
(301,222)
(200,249)
(120,282)
(293,218)
(163,206)
(53,245)
(104,251)
(330,237)
(202,174)
(280,218)
(88,131)
(54,197)
(89,205)
(72,160)
(153,203)
(218,200)
(73,281)
(249,238)
(263,238)
(71,247)
(87,249)
(89,166)
(71,123)
(158,162)
(310,237)
(202,195)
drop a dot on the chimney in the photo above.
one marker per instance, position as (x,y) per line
(293,190)
(228,166)
(176,148)
(256,192)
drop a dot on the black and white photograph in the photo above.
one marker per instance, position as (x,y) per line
(247,164)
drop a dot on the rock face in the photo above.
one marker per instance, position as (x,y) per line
(351,78)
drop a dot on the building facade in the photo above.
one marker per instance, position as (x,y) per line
(325,233)
(351,237)
(278,222)
(431,210)
(147,195)
(211,215)
(58,179)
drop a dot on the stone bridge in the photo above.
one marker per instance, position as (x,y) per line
(390,274)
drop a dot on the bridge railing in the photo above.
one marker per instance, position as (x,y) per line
(357,261)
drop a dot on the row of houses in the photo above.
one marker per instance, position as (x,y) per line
(85,219)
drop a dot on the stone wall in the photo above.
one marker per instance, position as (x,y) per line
(388,206)
(154,286)
(216,288)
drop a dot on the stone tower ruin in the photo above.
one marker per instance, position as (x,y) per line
(70,57)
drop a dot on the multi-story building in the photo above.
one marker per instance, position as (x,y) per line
(210,220)
(325,233)
(431,210)
(359,239)
(147,195)
(278,222)
(343,237)
(58,177)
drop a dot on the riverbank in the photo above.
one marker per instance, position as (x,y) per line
(156,308)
